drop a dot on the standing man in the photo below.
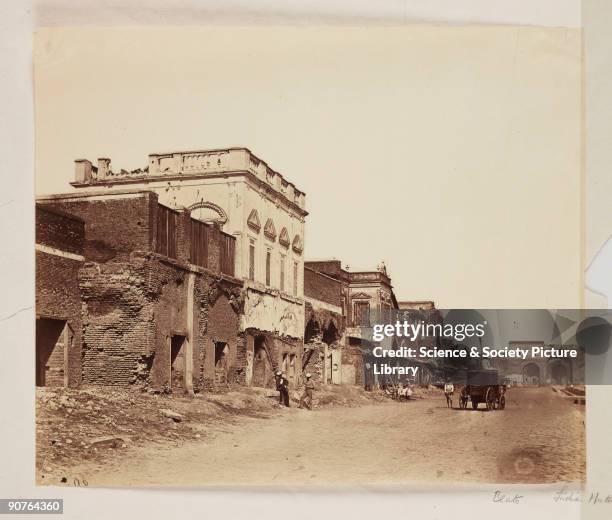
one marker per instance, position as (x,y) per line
(449,390)
(308,395)
(282,385)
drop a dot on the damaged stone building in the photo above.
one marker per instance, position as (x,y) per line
(341,306)
(422,311)
(192,271)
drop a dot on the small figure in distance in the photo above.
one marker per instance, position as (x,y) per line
(449,390)
(282,385)
(308,395)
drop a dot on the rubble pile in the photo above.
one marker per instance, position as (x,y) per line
(98,423)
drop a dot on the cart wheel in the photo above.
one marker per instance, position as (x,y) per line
(474,404)
(502,402)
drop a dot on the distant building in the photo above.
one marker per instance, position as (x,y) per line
(359,299)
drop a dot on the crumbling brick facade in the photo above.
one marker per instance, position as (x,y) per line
(323,341)
(59,256)
(152,319)
(266,353)
(218,324)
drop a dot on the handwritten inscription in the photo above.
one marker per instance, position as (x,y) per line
(566,494)
(500,497)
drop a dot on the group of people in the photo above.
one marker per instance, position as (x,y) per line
(398,391)
(282,385)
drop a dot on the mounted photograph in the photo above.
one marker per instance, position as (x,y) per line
(257,250)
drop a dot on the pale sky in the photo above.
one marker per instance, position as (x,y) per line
(453,153)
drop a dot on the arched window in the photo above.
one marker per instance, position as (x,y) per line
(208,212)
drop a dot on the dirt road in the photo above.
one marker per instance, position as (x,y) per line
(538,438)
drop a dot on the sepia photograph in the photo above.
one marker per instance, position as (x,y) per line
(224,216)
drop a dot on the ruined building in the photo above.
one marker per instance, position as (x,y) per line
(341,307)
(190,274)
(59,257)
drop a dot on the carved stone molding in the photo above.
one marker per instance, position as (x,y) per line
(253,221)
(283,239)
(297,244)
(222,219)
(270,230)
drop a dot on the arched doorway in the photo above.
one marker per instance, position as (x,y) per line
(313,331)
(560,372)
(330,334)
(531,374)
(262,366)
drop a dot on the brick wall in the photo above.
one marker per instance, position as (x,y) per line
(113,227)
(118,337)
(116,227)
(57,294)
(59,230)
(133,302)
(322,287)
(217,320)
(332,268)
(133,310)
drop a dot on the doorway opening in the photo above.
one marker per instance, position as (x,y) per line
(262,367)
(177,362)
(53,339)
(531,374)
(221,358)
(560,372)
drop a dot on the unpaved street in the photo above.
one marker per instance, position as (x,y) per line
(538,438)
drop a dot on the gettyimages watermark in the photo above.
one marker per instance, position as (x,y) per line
(508,346)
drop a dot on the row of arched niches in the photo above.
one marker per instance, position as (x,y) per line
(269,230)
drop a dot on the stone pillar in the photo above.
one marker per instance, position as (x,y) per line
(153,164)
(250,353)
(82,170)
(103,167)
(184,236)
(191,333)
(239,255)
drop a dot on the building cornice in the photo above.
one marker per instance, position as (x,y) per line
(150,179)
